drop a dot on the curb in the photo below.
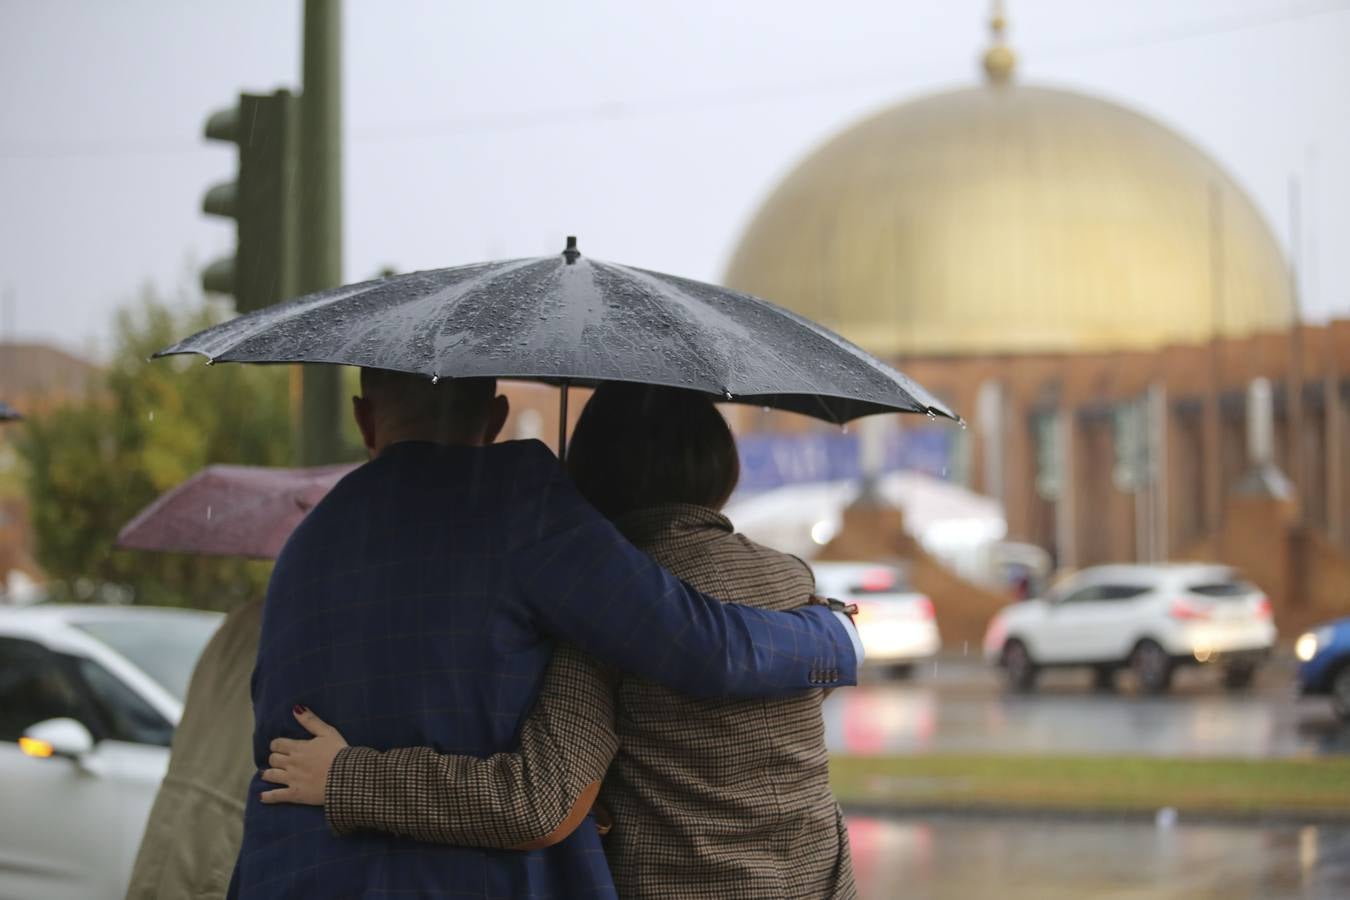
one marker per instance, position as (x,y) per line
(1112,816)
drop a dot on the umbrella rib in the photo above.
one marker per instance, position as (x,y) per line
(785,362)
(660,287)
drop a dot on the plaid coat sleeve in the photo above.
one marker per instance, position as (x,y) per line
(506,800)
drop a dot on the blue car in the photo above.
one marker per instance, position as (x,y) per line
(1325,670)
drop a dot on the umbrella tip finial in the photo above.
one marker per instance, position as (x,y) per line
(571,252)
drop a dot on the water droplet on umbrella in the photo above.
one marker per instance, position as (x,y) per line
(932,415)
(435,379)
(726,393)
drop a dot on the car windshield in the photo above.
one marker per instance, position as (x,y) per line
(165,647)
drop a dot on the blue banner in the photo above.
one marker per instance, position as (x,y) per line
(770,461)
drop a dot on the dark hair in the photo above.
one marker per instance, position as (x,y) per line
(453,404)
(637,446)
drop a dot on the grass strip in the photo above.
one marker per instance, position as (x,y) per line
(1106,784)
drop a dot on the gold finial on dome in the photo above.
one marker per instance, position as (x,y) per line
(999,59)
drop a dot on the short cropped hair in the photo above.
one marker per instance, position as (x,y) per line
(637,446)
(450,405)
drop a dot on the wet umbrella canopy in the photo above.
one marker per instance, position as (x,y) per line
(566,320)
(231,511)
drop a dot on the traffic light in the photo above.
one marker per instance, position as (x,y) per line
(263,200)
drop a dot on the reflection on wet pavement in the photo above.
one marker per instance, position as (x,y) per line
(957,858)
(962,709)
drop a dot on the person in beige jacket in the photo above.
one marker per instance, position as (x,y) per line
(197,823)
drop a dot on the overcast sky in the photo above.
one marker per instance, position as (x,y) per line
(650,129)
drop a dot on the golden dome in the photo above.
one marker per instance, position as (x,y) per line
(1007,218)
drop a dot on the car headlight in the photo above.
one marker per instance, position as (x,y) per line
(1307,645)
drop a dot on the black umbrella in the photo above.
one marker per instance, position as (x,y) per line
(570,320)
(8,413)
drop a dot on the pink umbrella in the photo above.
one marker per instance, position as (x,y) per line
(231,511)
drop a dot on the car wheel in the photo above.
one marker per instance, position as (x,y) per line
(1340,693)
(1238,677)
(1152,668)
(1104,679)
(1018,666)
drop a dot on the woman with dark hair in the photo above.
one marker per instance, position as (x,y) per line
(708,798)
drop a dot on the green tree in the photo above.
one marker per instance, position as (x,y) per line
(91,467)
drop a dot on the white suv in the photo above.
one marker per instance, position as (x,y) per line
(896,623)
(1149,618)
(89,697)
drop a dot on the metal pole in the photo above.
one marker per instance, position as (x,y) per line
(1066,505)
(321,213)
(1294,380)
(562,421)
(1333,432)
(1162,519)
(1214,476)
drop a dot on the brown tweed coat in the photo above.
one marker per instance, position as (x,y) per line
(710,798)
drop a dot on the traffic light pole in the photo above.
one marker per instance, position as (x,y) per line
(320,217)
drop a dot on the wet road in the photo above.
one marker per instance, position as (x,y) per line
(956,858)
(958,706)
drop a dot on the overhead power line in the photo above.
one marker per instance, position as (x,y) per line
(489,123)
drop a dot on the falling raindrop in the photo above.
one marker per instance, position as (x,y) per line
(932,415)
(210,360)
(208,514)
(151,415)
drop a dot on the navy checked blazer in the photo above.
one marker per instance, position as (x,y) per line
(417,605)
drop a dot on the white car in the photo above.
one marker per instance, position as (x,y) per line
(896,623)
(89,698)
(1149,618)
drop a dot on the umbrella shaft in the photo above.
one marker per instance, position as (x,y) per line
(562,422)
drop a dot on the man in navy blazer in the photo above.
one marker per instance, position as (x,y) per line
(418,604)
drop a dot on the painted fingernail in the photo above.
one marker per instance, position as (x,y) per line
(298,709)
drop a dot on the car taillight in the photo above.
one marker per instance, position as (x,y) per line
(1185,609)
(1263,608)
(877,581)
(925,607)
(994,636)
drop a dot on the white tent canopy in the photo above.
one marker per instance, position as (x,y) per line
(954,524)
